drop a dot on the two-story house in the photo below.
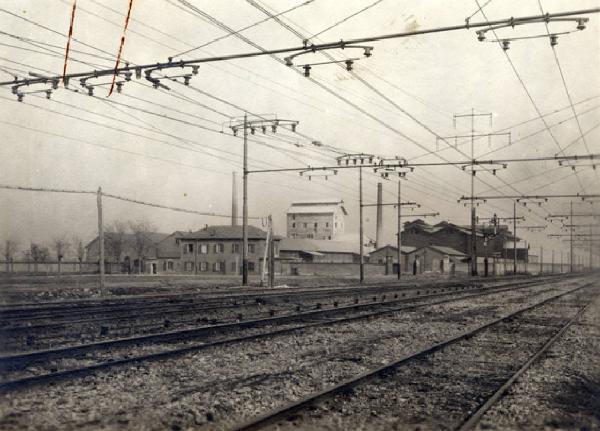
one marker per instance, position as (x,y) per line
(218,250)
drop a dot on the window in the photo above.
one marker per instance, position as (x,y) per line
(203,249)
(251,248)
(189,266)
(188,248)
(335,224)
(305,224)
(316,225)
(310,236)
(250,266)
(293,216)
(170,265)
(326,224)
(294,224)
(234,267)
(218,248)
(164,266)
(218,267)
(203,266)
(235,247)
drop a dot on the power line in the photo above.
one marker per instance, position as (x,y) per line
(117,197)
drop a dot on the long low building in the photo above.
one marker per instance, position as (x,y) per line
(319,251)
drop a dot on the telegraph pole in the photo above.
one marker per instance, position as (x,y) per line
(245,207)
(399,239)
(101,241)
(571,236)
(360,199)
(515,237)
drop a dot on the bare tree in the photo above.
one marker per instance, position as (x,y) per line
(39,253)
(141,230)
(61,246)
(79,249)
(115,239)
(10,248)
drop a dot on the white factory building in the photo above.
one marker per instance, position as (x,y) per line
(316,219)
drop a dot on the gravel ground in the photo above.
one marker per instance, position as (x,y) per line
(437,392)
(218,387)
(561,390)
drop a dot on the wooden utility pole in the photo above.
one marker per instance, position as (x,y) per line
(271,254)
(101,242)
(361,229)
(245,207)
(399,240)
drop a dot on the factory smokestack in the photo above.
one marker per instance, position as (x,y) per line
(379,233)
(234,197)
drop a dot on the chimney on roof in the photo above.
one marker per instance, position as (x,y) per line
(379,232)
(234,204)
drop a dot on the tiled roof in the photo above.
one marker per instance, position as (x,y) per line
(404,248)
(223,232)
(318,245)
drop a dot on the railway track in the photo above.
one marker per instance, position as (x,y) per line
(447,385)
(29,328)
(92,357)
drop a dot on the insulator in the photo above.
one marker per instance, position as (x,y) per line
(264,129)
(82,81)
(119,87)
(347,162)
(293,127)
(288,61)
(66,81)
(20,97)
(480,36)
(252,130)
(368,51)
(138,72)
(362,161)
(274,128)
(553,40)
(48,94)
(581,24)
(15,89)
(186,80)
(195,70)
(506,45)
(234,130)
(307,70)
(349,64)
(335,172)
(55,84)
(354,161)
(155,83)
(340,162)
(128,76)
(90,90)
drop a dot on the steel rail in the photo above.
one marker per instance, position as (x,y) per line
(285,411)
(476,417)
(36,356)
(313,47)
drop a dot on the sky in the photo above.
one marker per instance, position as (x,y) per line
(174,148)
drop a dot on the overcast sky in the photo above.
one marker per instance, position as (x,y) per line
(79,142)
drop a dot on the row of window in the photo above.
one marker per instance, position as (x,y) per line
(316,224)
(217,248)
(216,267)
